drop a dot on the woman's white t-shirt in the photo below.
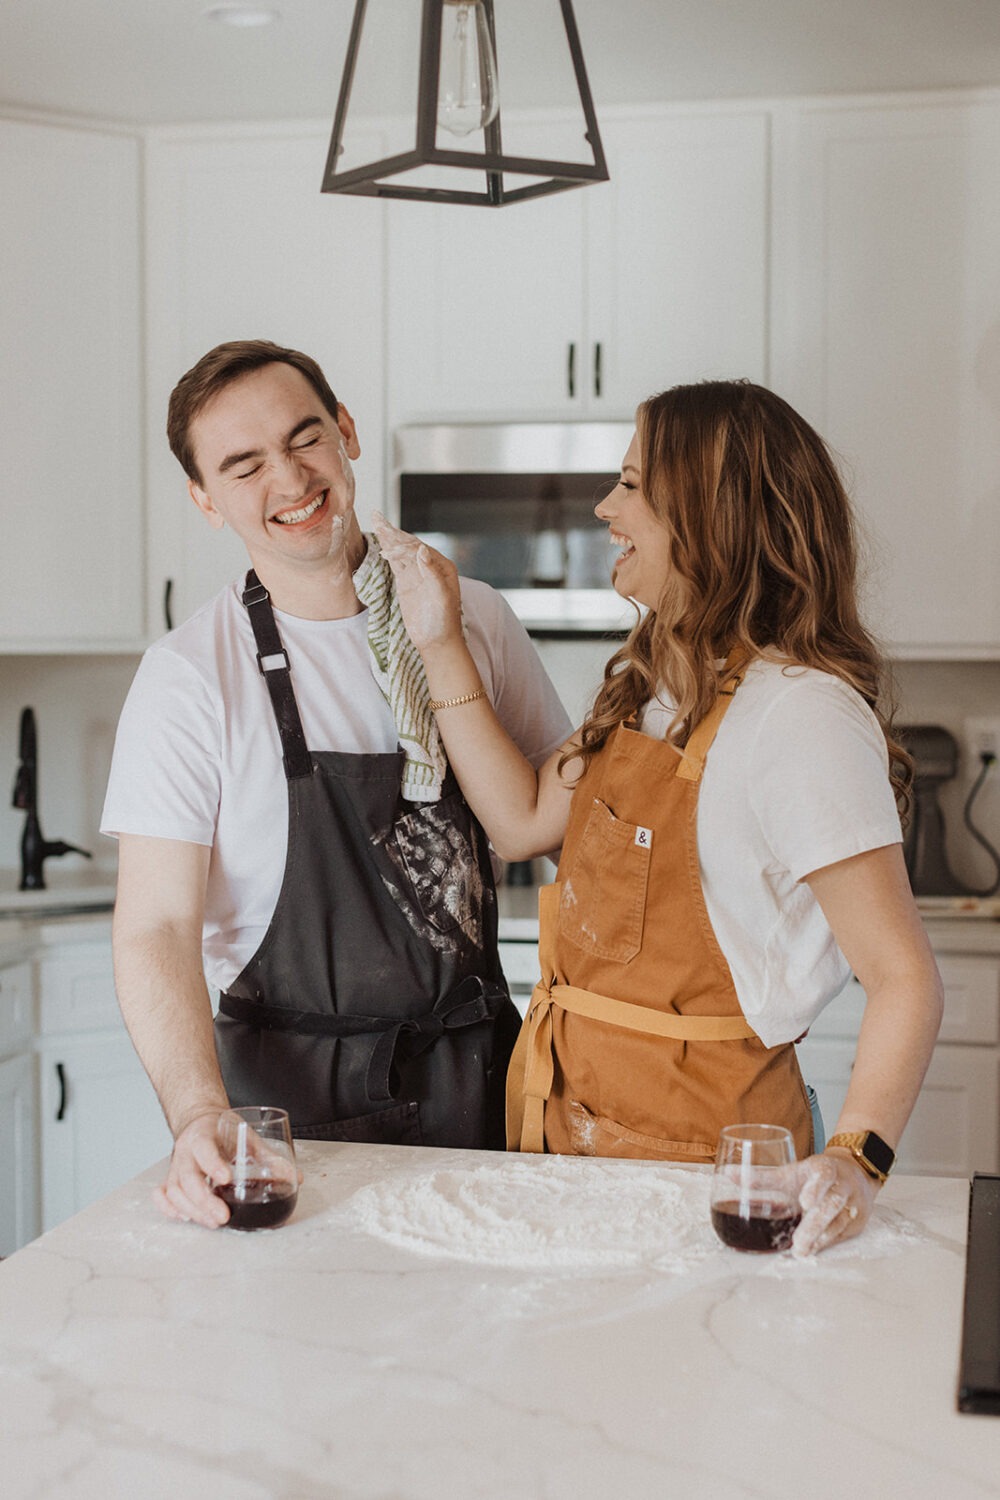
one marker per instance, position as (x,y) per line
(197,755)
(796,779)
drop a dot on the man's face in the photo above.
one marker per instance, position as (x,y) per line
(275,466)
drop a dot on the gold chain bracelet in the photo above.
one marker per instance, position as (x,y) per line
(437,703)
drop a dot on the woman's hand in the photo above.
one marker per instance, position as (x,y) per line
(427,586)
(836,1196)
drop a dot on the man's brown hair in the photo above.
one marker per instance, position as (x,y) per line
(218,369)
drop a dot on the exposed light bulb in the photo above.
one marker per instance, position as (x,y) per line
(468,98)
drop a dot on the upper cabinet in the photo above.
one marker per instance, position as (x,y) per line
(70,389)
(241,244)
(843,251)
(584,303)
(886,251)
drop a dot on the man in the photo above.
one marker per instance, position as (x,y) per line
(287,821)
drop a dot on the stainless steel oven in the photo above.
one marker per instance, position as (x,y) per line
(513,504)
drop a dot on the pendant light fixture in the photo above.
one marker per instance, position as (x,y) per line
(460,92)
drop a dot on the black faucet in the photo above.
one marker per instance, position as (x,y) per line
(35,849)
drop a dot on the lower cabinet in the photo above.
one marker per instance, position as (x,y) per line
(18,1108)
(101,1121)
(19,1153)
(100,1118)
(955,1126)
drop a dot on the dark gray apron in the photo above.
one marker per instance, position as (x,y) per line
(375,1008)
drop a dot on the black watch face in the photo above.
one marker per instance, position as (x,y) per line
(878,1153)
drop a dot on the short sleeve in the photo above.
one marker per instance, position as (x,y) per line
(819,777)
(525,701)
(166,768)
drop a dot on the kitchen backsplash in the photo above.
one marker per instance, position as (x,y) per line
(77,701)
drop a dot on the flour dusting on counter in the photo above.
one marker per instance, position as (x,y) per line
(560,1213)
(555,1213)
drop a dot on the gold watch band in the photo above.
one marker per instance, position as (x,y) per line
(859,1143)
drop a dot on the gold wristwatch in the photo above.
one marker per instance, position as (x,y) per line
(869,1151)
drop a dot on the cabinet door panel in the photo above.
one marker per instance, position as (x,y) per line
(77,989)
(678,256)
(17,1006)
(483,307)
(971,997)
(19,1154)
(886,310)
(242,245)
(953,1129)
(70,389)
(111,1125)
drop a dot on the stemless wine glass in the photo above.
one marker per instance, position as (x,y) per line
(755,1202)
(256,1141)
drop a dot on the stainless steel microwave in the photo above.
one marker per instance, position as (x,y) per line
(513,504)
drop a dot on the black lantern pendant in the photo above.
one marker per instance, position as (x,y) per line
(459,92)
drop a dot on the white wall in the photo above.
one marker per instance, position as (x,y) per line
(77,702)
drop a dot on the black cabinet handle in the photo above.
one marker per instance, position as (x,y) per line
(61,1075)
(597,369)
(571,370)
(168,590)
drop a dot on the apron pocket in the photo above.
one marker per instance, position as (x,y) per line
(598,1135)
(433,850)
(602,902)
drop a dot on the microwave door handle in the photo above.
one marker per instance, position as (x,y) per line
(597,369)
(571,371)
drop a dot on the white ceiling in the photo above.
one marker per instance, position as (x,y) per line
(159,61)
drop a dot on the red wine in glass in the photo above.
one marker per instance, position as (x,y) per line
(759,1226)
(258,1202)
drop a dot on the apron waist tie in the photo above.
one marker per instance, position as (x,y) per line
(471,1001)
(529,1089)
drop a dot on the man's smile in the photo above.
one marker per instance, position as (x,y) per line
(296,517)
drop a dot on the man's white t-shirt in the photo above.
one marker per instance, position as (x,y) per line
(197,755)
(796,779)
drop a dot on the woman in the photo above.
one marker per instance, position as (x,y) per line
(731,845)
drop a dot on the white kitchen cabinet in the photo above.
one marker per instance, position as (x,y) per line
(886,309)
(100,1118)
(18,1109)
(582,304)
(241,244)
(955,1126)
(70,393)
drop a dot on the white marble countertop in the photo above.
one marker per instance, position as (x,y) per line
(436,1325)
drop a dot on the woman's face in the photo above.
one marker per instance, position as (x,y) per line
(643,543)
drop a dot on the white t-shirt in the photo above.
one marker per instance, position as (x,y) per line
(796,779)
(197,755)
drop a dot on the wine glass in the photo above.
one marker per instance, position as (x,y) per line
(755,1203)
(256,1141)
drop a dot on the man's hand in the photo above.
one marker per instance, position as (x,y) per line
(196,1157)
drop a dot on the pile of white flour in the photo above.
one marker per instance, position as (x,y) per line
(564,1213)
(544,1213)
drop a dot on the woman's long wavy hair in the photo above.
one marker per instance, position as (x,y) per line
(763,556)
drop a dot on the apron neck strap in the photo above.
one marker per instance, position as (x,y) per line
(272,659)
(699,743)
